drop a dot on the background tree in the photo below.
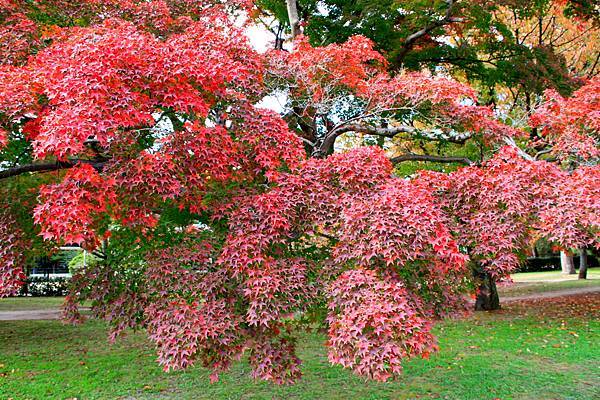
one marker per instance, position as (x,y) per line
(508,42)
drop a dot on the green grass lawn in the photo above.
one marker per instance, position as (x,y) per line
(535,350)
(539,282)
(593,274)
(30,303)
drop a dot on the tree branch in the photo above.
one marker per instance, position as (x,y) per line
(328,142)
(50,166)
(326,146)
(390,131)
(541,153)
(511,142)
(424,157)
(411,39)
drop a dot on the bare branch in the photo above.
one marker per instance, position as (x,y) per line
(511,142)
(328,142)
(541,153)
(369,114)
(308,142)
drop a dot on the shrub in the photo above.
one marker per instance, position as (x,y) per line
(43,286)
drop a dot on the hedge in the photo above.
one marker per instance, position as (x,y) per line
(540,264)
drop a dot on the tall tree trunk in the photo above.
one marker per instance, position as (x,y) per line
(583,263)
(566,263)
(292,9)
(487,294)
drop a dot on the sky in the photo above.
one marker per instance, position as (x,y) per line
(262,40)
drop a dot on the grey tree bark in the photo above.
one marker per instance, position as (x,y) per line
(292,9)
(566,263)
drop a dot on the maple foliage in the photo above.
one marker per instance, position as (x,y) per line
(315,69)
(115,84)
(374,325)
(494,208)
(500,207)
(244,289)
(18,34)
(570,125)
(14,96)
(215,232)
(382,228)
(12,260)
(569,133)
(346,87)
(72,209)
(570,216)
(156,122)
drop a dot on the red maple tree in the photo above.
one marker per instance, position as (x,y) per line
(212,228)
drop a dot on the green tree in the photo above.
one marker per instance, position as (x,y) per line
(508,42)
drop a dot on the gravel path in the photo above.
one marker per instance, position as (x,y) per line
(551,294)
(27,315)
(54,313)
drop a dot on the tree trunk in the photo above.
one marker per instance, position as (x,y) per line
(566,263)
(583,263)
(534,252)
(487,294)
(292,9)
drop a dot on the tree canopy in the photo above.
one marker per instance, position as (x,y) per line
(538,44)
(134,130)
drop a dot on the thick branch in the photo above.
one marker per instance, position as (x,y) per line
(326,146)
(423,157)
(411,39)
(511,142)
(329,140)
(49,166)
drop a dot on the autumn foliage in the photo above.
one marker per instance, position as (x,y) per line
(12,262)
(214,230)
(331,82)
(571,125)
